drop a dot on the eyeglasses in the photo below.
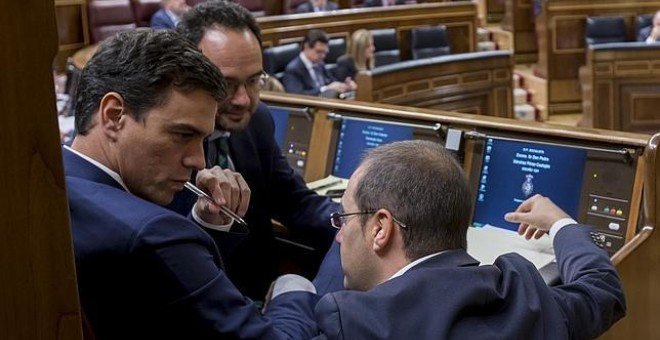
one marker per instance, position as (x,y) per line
(337,220)
(252,84)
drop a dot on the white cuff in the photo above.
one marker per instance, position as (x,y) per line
(218,227)
(558,225)
(292,283)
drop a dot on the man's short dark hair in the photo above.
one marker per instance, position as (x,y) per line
(144,66)
(216,14)
(424,187)
(314,36)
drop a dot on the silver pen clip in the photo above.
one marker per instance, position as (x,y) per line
(197,191)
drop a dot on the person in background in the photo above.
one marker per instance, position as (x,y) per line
(168,16)
(316,6)
(359,56)
(243,140)
(651,34)
(146,101)
(403,240)
(306,74)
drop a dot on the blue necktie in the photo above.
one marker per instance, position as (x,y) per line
(320,78)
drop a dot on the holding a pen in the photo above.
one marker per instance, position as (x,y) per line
(224,196)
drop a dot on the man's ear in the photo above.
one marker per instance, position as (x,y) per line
(383,230)
(112,112)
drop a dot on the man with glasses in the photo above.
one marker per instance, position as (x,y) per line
(408,276)
(243,141)
(306,74)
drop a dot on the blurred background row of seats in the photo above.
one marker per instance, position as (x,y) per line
(611,29)
(426,42)
(107,17)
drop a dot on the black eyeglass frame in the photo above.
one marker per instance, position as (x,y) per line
(337,218)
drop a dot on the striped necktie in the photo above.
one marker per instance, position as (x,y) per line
(222,148)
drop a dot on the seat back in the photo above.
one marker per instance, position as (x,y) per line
(605,29)
(386,46)
(427,42)
(336,48)
(642,21)
(277,57)
(107,17)
(144,10)
(193,3)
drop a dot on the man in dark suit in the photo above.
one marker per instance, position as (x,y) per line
(408,275)
(167,17)
(306,74)
(317,6)
(651,33)
(384,3)
(229,36)
(147,99)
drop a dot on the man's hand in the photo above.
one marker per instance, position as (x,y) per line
(338,86)
(227,188)
(536,215)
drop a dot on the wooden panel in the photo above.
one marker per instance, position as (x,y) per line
(459,17)
(626,88)
(71,16)
(38,299)
(560,32)
(519,20)
(479,85)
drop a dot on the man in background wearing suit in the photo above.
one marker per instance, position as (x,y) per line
(651,33)
(147,99)
(168,16)
(243,140)
(306,74)
(403,247)
(316,6)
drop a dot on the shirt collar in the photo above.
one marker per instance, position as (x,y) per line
(218,134)
(104,168)
(414,263)
(308,63)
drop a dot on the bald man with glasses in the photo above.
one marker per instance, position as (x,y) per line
(403,237)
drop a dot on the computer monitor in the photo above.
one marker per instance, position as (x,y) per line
(355,135)
(513,171)
(591,183)
(293,130)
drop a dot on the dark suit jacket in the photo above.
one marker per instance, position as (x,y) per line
(298,80)
(377,3)
(145,272)
(307,7)
(345,68)
(644,33)
(450,297)
(277,192)
(160,20)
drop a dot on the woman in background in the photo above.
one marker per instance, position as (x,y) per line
(359,56)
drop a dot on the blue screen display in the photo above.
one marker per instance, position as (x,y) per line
(357,136)
(513,171)
(281,118)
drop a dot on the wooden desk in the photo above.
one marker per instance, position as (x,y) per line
(478,83)
(519,20)
(561,51)
(621,90)
(83,55)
